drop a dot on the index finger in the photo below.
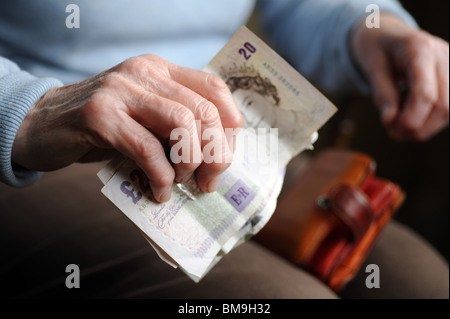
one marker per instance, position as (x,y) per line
(214,89)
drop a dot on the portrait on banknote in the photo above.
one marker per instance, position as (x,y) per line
(259,100)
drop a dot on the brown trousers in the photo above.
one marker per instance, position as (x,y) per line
(64,219)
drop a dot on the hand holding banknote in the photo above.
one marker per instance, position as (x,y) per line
(131,108)
(282,113)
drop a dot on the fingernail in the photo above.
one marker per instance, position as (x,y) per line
(213,184)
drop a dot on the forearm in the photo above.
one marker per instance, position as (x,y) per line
(314,36)
(19,91)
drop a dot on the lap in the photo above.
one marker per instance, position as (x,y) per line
(64,219)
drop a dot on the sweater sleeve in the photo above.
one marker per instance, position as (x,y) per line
(19,91)
(313,35)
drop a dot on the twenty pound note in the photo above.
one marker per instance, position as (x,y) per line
(282,113)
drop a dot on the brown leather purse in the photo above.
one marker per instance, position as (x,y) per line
(328,221)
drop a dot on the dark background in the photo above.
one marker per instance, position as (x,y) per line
(421,169)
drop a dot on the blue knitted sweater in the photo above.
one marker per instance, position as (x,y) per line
(38,51)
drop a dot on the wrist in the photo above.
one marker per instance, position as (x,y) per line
(391,28)
(366,43)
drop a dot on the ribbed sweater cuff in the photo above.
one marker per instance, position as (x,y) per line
(19,91)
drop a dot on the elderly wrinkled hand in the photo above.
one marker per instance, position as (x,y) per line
(408,70)
(131,108)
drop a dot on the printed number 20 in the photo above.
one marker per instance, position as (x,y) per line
(247,47)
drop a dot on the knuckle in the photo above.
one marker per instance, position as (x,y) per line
(217,87)
(163,179)
(148,65)
(418,48)
(133,65)
(147,147)
(418,40)
(140,98)
(216,83)
(182,117)
(207,111)
(152,57)
(427,95)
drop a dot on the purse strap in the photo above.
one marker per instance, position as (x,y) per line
(351,205)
